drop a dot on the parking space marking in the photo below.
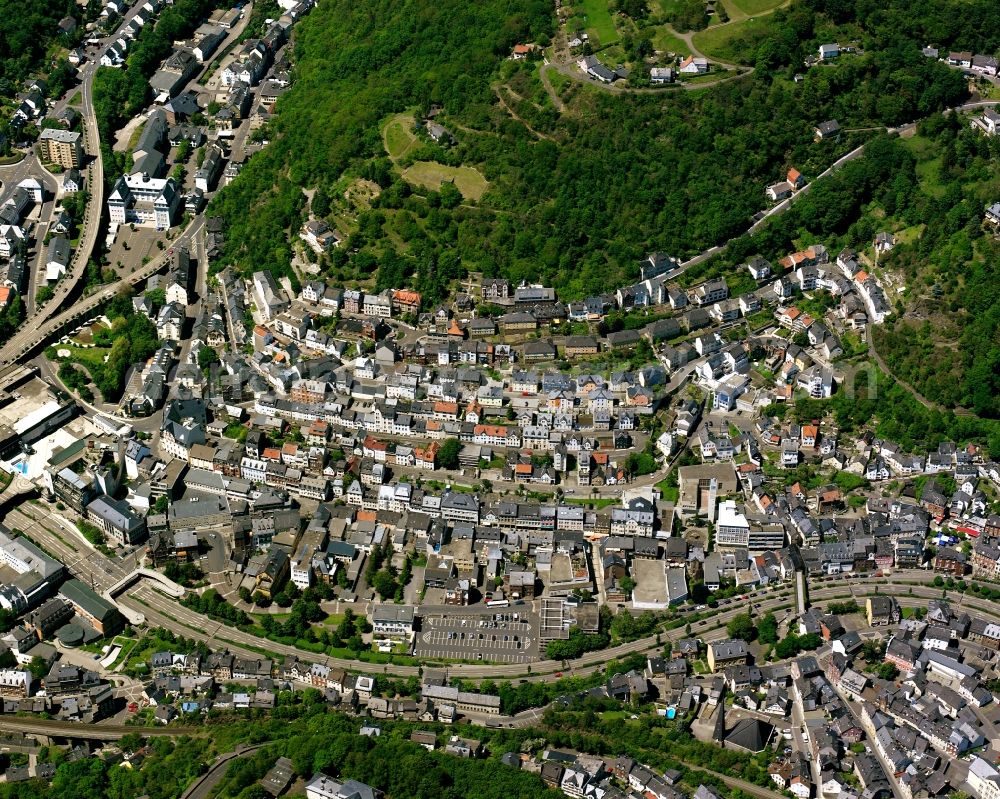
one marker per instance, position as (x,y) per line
(479,637)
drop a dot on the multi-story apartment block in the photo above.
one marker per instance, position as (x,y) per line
(62,147)
(142,200)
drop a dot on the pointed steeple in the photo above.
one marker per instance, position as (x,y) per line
(719,734)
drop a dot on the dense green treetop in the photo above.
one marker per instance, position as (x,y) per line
(577,205)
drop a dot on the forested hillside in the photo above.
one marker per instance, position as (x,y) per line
(791,33)
(27,27)
(575,197)
(948,342)
(575,204)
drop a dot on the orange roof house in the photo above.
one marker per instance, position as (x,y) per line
(406,300)
(490,430)
(427,454)
(442,407)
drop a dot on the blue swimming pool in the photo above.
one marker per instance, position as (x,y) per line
(671,712)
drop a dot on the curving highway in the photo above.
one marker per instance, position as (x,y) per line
(161,611)
(95,732)
(36,332)
(200,628)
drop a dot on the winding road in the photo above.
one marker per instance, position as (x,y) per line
(161,611)
(909,587)
(34,333)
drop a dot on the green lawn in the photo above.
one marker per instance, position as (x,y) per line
(668,7)
(599,22)
(670,493)
(710,77)
(127,645)
(665,41)
(752,7)
(622,716)
(929,173)
(720,41)
(85,356)
(398,136)
(597,503)
(468,180)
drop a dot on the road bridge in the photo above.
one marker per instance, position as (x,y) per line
(31,337)
(73,730)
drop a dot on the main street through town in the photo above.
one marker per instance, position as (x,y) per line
(163,611)
(57,536)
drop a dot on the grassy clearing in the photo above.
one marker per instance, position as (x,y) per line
(670,493)
(559,81)
(736,14)
(719,42)
(665,41)
(751,7)
(399,139)
(85,356)
(398,136)
(616,715)
(432,175)
(667,7)
(709,77)
(598,504)
(928,169)
(929,173)
(599,22)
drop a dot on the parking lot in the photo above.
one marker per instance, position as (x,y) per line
(504,635)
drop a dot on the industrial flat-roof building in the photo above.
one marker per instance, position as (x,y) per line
(700,486)
(27,575)
(95,610)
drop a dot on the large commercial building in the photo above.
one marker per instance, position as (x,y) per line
(393,621)
(63,147)
(117,519)
(143,200)
(731,527)
(27,575)
(702,485)
(92,608)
